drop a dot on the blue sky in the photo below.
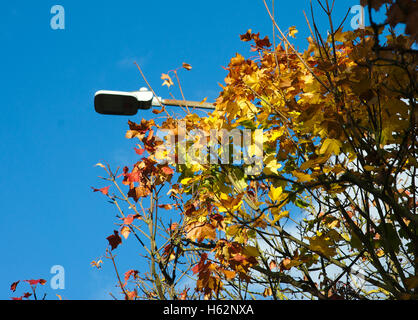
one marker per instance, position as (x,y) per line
(51,136)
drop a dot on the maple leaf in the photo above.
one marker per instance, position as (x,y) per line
(129,274)
(104,190)
(201,265)
(26,295)
(35,282)
(198,231)
(130,218)
(114,240)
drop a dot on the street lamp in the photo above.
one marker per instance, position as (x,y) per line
(128,103)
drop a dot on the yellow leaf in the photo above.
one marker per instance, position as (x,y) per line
(302,177)
(368,168)
(330,146)
(167,80)
(185,181)
(271,165)
(275,193)
(323,245)
(125,232)
(251,251)
(293,31)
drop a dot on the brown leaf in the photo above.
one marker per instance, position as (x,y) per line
(165,206)
(198,231)
(187,66)
(114,240)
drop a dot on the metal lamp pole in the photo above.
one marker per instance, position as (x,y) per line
(128,103)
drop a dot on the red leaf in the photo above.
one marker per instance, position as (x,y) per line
(114,240)
(167,170)
(130,273)
(14,285)
(19,298)
(129,219)
(27,295)
(104,190)
(35,282)
(197,268)
(139,151)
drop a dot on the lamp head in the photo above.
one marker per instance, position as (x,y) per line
(122,103)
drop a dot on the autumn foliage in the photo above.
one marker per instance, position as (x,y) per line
(333,212)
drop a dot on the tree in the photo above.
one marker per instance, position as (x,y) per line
(326,209)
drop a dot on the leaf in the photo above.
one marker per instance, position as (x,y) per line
(185,181)
(275,193)
(323,245)
(130,218)
(302,177)
(125,231)
(165,206)
(97,263)
(130,273)
(267,292)
(26,295)
(187,66)
(293,31)
(156,111)
(167,170)
(100,165)
(14,285)
(104,190)
(412,282)
(35,282)
(114,240)
(273,265)
(139,151)
(330,146)
(198,231)
(197,268)
(251,251)
(229,274)
(167,80)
